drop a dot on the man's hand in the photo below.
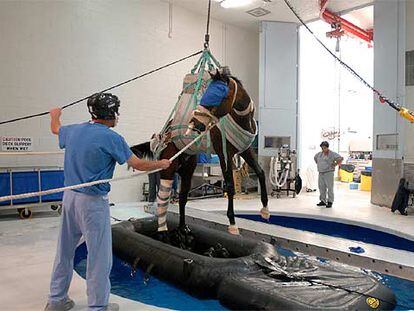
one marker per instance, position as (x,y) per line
(55,113)
(164,164)
(145,165)
(55,125)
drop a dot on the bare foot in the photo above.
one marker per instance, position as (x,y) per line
(265,213)
(232,229)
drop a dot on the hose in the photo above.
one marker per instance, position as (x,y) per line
(274,180)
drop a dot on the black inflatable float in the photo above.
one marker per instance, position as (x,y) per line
(250,275)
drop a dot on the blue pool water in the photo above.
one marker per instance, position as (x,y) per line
(155,292)
(161,294)
(402,289)
(336,229)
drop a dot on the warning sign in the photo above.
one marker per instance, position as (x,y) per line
(16,143)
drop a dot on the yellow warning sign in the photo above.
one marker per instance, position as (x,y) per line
(373,302)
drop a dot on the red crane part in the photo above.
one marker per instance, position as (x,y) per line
(342,26)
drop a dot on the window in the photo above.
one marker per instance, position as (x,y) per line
(387,142)
(276,142)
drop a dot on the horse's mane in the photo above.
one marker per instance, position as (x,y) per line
(225,77)
(238,81)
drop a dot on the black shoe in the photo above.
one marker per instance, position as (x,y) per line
(321,203)
(403,212)
(329,205)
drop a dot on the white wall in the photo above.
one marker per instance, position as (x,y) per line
(54,52)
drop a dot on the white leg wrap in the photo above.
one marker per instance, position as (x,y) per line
(163,200)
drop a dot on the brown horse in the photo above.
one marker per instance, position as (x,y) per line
(239,107)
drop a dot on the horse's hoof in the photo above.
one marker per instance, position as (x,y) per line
(265,213)
(163,236)
(232,229)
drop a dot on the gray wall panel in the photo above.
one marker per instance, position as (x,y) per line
(278,83)
(385,177)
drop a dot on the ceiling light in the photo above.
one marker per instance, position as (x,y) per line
(227,4)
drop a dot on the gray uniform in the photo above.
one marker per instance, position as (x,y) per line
(326,169)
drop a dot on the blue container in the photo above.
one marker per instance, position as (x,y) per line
(5,187)
(353,186)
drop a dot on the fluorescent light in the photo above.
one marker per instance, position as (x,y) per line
(227,4)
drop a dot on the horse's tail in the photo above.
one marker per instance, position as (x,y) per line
(143,150)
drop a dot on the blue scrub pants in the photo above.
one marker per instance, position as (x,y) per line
(89,216)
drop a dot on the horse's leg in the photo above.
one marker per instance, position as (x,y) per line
(228,177)
(227,171)
(164,192)
(250,157)
(186,173)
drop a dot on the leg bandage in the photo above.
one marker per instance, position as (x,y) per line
(163,200)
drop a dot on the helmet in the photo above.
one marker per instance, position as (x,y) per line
(103,106)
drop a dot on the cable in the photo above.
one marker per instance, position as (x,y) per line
(351,291)
(293,276)
(207,35)
(105,90)
(382,98)
(273,178)
(97,182)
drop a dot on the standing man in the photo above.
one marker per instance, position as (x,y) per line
(91,151)
(326,160)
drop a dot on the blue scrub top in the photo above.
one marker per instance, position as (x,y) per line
(91,152)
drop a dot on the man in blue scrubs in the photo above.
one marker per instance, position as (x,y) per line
(91,151)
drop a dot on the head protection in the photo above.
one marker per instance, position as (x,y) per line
(103,106)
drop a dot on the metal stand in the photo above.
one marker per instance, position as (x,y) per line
(208,187)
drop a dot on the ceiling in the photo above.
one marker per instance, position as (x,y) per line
(308,10)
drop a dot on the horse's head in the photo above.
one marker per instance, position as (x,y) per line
(225,94)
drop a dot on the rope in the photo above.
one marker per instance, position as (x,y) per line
(382,98)
(97,182)
(295,276)
(116,219)
(105,90)
(352,291)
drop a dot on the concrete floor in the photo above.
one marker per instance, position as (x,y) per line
(27,251)
(27,247)
(350,206)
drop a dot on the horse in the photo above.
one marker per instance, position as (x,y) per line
(238,106)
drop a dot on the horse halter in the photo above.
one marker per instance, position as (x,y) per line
(233,94)
(245,112)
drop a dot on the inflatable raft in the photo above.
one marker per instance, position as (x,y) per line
(245,274)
